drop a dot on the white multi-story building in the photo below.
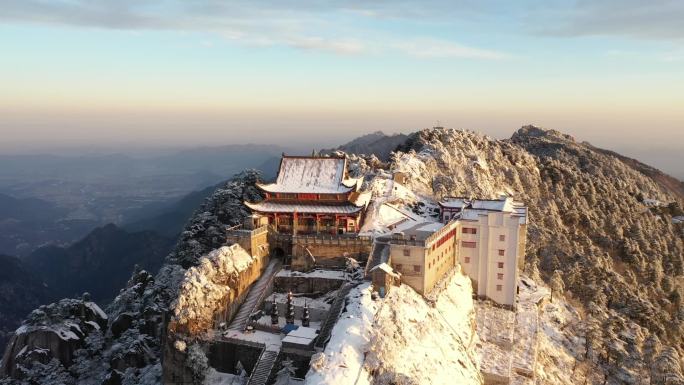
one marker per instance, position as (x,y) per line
(491,243)
(486,237)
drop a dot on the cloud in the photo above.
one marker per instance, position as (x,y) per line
(308,25)
(430,48)
(652,19)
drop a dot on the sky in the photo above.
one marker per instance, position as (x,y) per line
(197,72)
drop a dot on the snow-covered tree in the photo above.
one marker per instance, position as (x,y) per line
(557,284)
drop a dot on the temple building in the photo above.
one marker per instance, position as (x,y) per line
(312,195)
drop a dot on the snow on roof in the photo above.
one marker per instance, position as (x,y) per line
(317,273)
(494,205)
(314,175)
(303,332)
(419,232)
(505,204)
(472,208)
(276,207)
(431,226)
(386,268)
(454,203)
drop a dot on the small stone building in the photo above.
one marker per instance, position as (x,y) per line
(383,278)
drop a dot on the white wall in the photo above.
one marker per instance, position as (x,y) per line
(484,258)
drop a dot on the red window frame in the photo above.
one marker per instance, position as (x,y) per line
(308,196)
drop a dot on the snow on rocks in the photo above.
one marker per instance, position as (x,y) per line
(413,341)
(403,338)
(52,331)
(394,206)
(342,362)
(206,285)
(509,340)
(557,347)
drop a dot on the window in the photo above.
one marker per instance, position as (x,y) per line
(469,230)
(467,259)
(416,268)
(398,267)
(502,237)
(499,287)
(468,245)
(499,276)
(500,265)
(501,252)
(407,252)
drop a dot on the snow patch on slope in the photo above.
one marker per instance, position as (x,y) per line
(342,361)
(414,340)
(403,338)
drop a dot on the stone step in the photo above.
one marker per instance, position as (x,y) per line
(263,368)
(333,315)
(254,294)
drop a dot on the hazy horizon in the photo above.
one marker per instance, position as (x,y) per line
(666,158)
(163,73)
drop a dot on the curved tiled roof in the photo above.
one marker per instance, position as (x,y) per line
(313,175)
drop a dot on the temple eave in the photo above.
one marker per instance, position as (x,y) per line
(285,208)
(274,188)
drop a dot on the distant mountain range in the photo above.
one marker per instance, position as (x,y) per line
(99,264)
(376,143)
(48,199)
(31,222)
(20,292)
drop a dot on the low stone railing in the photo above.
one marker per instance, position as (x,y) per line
(239,231)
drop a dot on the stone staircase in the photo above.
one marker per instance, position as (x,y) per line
(333,315)
(262,369)
(255,296)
